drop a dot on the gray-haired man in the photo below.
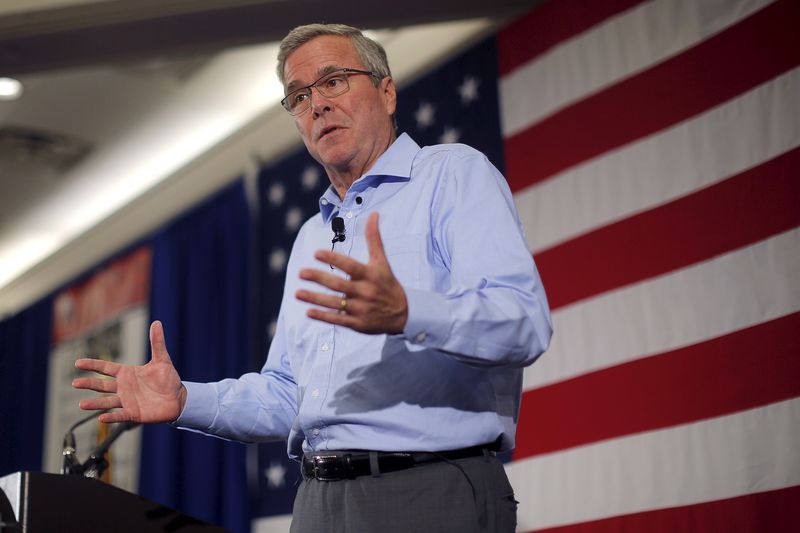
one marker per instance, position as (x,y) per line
(396,375)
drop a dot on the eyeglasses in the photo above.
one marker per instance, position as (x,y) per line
(330,85)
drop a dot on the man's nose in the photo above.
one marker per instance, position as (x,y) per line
(319,102)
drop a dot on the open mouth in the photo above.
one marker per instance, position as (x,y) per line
(326,131)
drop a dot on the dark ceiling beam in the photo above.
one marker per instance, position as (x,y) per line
(84,43)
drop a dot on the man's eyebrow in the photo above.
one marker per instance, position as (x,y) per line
(292,86)
(327,69)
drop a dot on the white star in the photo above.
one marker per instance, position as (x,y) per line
(469,90)
(294,217)
(276,475)
(450,135)
(276,193)
(277,260)
(424,115)
(310,178)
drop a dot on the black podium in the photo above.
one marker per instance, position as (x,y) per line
(35,502)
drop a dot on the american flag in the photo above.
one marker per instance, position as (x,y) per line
(652,148)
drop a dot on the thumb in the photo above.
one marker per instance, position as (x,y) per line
(374,241)
(158,345)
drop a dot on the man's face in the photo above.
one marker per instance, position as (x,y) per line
(349,132)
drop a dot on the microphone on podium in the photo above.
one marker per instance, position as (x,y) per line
(71,465)
(96,464)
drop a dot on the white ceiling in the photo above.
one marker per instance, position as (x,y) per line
(141,124)
(159,131)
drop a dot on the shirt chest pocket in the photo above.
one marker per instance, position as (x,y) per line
(405,255)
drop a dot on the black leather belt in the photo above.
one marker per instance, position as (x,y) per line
(338,465)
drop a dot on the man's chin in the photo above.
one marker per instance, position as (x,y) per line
(335,158)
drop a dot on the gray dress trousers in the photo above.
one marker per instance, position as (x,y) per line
(470,495)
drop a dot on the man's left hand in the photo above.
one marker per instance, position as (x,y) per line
(370,301)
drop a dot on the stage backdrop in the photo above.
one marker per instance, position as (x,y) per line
(652,148)
(103,316)
(24,346)
(200,292)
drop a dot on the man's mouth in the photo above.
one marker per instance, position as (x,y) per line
(327,130)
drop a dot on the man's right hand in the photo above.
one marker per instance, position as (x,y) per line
(149,393)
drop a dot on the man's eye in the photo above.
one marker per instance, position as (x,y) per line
(299,98)
(332,83)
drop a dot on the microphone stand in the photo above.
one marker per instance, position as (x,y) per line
(71,465)
(97,463)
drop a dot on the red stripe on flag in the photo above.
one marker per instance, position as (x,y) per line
(555,22)
(742,370)
(745,55)
(741,210)
(776,511)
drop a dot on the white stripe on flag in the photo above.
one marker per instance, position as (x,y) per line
(747,452)
(738,135)
(615,49)
(680,308)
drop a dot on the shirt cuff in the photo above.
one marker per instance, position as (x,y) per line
(200,409)
(428,321)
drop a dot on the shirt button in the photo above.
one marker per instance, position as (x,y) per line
(420,337)
(315,393)
(325,347)
(324,201)
(315,431)
(349,214)
(359,200)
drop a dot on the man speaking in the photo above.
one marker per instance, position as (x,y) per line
(411,306)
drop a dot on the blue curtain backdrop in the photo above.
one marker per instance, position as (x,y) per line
(24,352)
(200,293)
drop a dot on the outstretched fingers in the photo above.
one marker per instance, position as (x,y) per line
(336,318)
(100,403)
(114,416)
(344,263)
(331,281)
(158,345)
(377,254)
(95,384)
(107,368)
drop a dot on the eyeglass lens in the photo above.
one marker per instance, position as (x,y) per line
(332,85)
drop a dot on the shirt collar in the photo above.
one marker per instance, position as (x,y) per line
(394,163)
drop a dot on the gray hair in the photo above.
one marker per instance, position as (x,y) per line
(371,53)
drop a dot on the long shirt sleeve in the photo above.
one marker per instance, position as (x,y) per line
(256,407)
(492,309)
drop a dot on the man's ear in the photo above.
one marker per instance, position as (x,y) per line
(389,92)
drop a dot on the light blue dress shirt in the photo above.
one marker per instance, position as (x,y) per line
(477,314)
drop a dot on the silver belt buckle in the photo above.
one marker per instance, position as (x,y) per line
(318,463)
